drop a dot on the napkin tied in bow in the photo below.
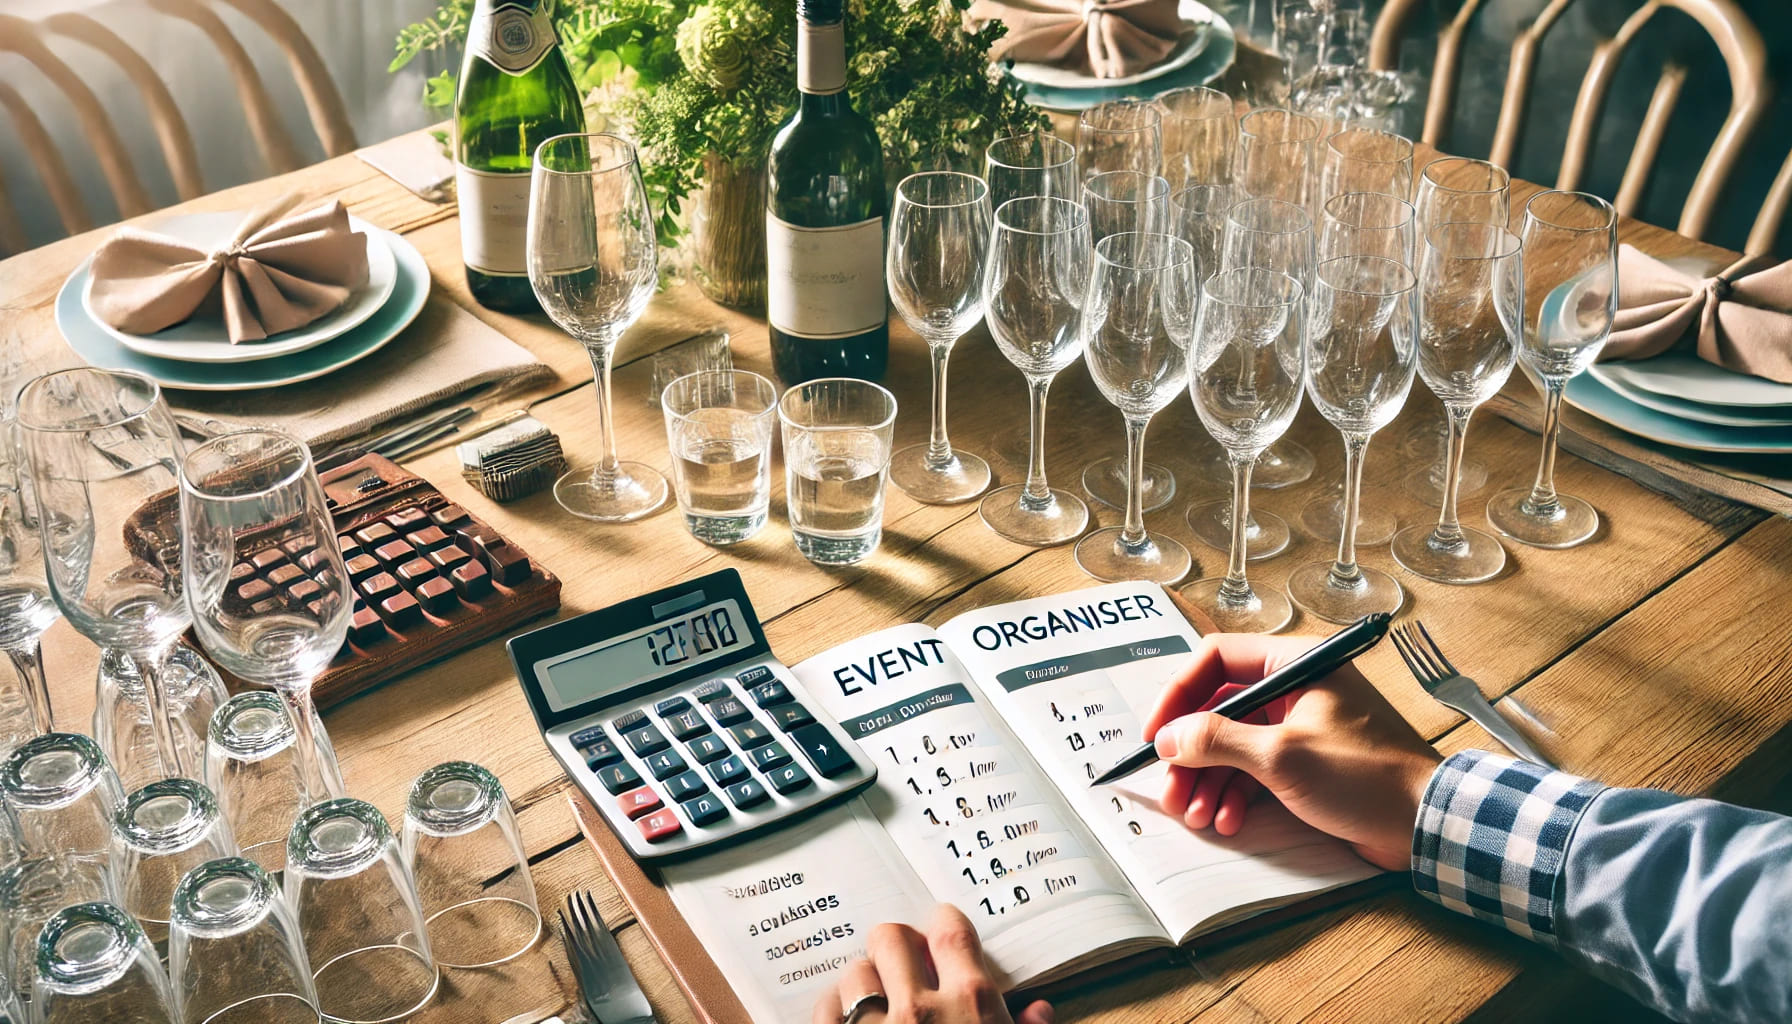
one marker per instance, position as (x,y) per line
(275,273)
(1105,38)
(1744,323)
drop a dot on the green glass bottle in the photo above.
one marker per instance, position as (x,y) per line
(515,91)
(824,219)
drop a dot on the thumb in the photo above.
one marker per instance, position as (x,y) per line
(1039,1012)
(1204,740)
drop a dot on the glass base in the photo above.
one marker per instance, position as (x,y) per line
(1313,589)
(722,531)
(1265,533)
(1105,481)
(626,493)
(1572,521)
(1062,519)
(1159,559)
(1323,518)
(850,549)
(961,479)
(1476,558)
(1259,612)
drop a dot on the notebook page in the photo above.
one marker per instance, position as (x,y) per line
(1074,675)
(969,810)
(782,913)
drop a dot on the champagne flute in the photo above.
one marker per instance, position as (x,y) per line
(1360,362)
(1034,291)
(594,264)
(26,608)
(939,243)
(1570,242)
(242,493)
(1033,164)
(101,444)
(1246,377)
(1139,322)
(1122,135)
(1200,132)
(1277,156)
(1471,301)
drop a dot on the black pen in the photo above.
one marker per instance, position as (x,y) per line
(1327,657)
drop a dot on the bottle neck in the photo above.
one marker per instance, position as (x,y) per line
(821,66)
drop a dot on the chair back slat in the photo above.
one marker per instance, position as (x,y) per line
(1773,211)
(271,137)
(47,160)
(1518,83)
(1649,137)
(329,114)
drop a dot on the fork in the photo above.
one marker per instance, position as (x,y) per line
(1454,690)
(606,984)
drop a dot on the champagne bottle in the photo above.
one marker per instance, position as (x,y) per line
(515,91)
(824,219)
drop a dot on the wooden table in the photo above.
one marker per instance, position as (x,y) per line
(1658,654)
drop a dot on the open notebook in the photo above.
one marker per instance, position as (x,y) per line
(986,732)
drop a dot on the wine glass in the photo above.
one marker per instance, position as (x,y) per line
(102,449)
(1246,377)
(1200,133)
(1121,135)
(594,264)
(1360,159)
(1198,217)
(26,608)
(1033,164)
(939,243)
(242,493)
(1471,301)
(1570,242)
(1360,362)
(1277,156)
(1139,320)
(1034,291)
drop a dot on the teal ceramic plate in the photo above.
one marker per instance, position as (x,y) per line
(1682,374)
(92,343)
(1686,409)
(1587,394)
(1213,60)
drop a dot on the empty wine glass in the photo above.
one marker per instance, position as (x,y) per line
(1570,242)
(1138,323)
(1471,303)
(1200,132)
(1367,224)
(234,952)
(102,446)
(94,964)
(1246,376)
(939,243)
(241,493)
(594,263)
(1360,159)
(1454,188)
(1121,135)
(1360,361)
(1033,164)
(1034,292)
(26,608)
(1198,217)
(1277,156)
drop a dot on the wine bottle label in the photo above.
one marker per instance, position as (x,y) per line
(824,282)
(513,39)
(820,58)
(494,218)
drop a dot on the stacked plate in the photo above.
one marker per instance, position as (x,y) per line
(197,355)
(1682,400)
(1203,52)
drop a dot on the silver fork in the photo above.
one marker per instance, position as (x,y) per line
(1454,690)
(606,984)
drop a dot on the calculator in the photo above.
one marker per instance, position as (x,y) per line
(672,714)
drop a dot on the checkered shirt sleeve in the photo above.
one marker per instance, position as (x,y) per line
(1491,836)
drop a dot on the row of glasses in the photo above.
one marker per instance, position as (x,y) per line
(26,607)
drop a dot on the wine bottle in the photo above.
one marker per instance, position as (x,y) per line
(515,91)
(824,219)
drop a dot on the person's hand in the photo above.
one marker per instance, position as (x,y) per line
(937,978)
(1335,753)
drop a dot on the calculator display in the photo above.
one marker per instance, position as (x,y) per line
(664,647)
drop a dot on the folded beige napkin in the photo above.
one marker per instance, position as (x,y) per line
(1105,38)
(1744,323)
(273,275)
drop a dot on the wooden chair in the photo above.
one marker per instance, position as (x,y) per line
(1773,211)
(1737,39)
(323,103)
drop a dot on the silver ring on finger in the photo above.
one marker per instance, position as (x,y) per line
(865,1003)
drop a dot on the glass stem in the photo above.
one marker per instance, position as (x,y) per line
(1132,534)
(161,720)
(1344,571)
(1542,500)
(28,661)
(939,449)
(600,352)
(1036,494)
(1235,589)
(298,705)
(1449,530)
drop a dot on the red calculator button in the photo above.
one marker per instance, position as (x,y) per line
(637,802)
(659,825)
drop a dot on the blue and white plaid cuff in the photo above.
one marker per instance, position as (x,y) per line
(1491,836)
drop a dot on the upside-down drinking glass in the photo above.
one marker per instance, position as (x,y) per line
(1200,130)
(594,263)
(1138,324)
(1570,242)
(939,243)
(1122,135)
(461,843)
(166,829)
(121,713)
(234,952)
(253,768)
(1246,377)
(95,966)
(31,892)
(1471,303)
(63,797)
(1033,164)
(1034,292)
(1360,362)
